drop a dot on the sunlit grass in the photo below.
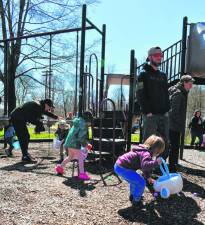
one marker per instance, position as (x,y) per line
(187,141)
(33,135)
(46,135)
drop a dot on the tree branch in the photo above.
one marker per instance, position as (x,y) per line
(3,20)
(23,73)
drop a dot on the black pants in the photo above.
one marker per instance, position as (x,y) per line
(194,135)
(22,134)
(174,138)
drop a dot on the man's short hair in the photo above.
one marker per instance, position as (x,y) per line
(152,51)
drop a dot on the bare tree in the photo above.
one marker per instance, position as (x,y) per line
(63,95)
(68,101)
(22,17)
(116,96)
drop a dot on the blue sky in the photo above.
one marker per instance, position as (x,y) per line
(141,24)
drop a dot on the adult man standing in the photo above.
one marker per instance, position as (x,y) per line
(177,116)
(153,98)
(30,112)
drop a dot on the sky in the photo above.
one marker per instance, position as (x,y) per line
(141,24)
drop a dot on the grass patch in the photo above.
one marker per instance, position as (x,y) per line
(33,135)
(187,141)
(45,135)
(42,135)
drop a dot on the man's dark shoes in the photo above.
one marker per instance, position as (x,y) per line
(27,159)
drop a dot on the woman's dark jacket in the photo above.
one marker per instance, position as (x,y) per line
(196,125)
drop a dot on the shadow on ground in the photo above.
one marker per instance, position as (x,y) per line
(80,185)
(195,189)
(177,210)
(191,171)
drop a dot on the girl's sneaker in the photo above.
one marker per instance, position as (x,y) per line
(137,204)
(83,176)
(59,169)
(131,198)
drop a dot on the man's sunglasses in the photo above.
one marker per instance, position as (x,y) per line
(158,55)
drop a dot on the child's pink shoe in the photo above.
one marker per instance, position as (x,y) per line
(59,169)
(84,176)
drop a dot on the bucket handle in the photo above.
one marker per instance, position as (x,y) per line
(164,168)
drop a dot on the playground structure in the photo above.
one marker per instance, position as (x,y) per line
(177,58)
(111,130)
(84,93)
(82,80)
(33,191)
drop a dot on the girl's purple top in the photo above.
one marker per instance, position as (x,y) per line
(138,158)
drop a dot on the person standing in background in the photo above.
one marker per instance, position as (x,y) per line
(196,128)
(177,116)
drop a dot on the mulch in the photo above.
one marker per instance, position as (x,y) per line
(32,194)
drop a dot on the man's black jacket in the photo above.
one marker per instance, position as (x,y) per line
(31,112)
(152,91)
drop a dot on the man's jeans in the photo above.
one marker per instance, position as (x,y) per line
(159,125)
(137,182)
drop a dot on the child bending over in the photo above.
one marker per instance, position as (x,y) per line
(140,157)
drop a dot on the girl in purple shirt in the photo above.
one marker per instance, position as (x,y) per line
(140,157)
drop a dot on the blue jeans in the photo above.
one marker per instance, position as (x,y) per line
(137,182)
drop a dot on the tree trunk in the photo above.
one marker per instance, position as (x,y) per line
(11,88)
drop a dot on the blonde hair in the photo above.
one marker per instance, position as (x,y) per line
(155,144)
